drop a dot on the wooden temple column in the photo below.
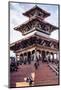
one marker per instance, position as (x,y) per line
(46,56)
(52,57)
(17,57)
(22,57)
(35,54)
(25,57)
(43,55)
(55,58)
(31,56)
(40,55)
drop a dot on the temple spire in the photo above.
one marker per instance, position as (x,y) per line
(36,11)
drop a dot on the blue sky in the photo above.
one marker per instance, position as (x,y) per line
(16,18)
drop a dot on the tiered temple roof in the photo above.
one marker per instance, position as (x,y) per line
(34,41)
(36,11)
(36,22)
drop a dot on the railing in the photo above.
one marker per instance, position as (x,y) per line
(53,69)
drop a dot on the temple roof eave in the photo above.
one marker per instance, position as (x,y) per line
(12,46)
(33,36)
(34,46)
(36,7)
(37,46)
(20,27)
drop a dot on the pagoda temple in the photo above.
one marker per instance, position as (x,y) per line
(40,41)
(39,45)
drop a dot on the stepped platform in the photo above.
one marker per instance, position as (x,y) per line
(44,75)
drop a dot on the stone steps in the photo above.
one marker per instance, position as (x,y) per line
(44,75)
